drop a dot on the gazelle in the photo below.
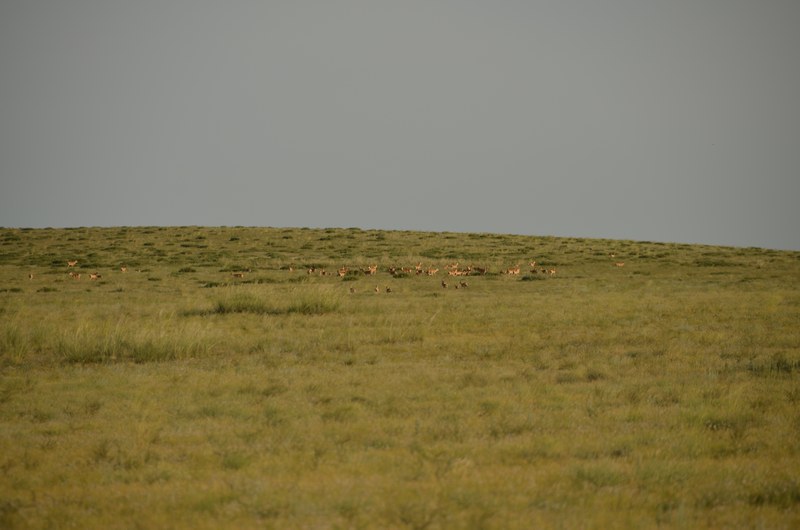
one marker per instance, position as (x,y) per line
(30,276)
(94,276)
(444,284)
(431,272)
(463,284)
(619,264)
(513,270)
(72,263)
(237,274)
(123,269)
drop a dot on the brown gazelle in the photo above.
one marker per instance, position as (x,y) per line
(72,263)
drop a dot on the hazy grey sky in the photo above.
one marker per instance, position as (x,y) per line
(668,120)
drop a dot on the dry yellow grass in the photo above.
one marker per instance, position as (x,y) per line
(661,394)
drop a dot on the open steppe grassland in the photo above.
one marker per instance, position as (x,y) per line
(218,383)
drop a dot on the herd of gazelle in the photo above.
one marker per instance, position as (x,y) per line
(77,275)
(515,270)
(452,269)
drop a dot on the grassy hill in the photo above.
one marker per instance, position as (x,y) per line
(230,377)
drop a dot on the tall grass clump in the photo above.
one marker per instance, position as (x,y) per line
(105,343)
(13,343)
(20,340)
(316,301)
(243,302)
(312,300)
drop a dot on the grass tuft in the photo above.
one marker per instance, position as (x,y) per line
(316,300)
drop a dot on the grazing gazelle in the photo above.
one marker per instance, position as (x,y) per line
(72,263)
(94,276)
(619,264)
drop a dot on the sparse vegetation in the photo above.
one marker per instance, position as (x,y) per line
(659,394)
